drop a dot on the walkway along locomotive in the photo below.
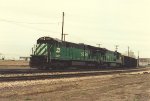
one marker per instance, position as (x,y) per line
(56,54)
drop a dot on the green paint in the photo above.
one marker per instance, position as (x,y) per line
(59,51)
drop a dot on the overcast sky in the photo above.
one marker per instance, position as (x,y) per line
(108,22)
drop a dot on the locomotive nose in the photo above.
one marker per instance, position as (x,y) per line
(37,61)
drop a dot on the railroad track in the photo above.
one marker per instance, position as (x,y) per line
(58,75)
(28,71)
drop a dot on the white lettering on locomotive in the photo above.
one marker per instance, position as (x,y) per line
(84,54)
(57,50)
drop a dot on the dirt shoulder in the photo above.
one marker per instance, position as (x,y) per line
(118,87)
(13,63)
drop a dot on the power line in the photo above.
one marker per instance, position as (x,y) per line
(26,26)
(12,21)
(35,28)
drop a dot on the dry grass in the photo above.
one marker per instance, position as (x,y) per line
(14,63)
(118,87)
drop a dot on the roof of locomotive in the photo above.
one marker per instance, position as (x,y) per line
(47,39)
(57,41)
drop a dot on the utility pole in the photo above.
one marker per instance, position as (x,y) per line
(138,59)
(99,45)
(32,51)
(65,36)
(117,47)
(62,26)
(0,55)
(128,50)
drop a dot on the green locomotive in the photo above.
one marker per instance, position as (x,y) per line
(56,54)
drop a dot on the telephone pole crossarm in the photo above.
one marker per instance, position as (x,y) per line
(99,45)
(117,47)
(65,36)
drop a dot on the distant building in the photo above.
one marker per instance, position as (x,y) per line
(2,57)
(25,58)
(144,61)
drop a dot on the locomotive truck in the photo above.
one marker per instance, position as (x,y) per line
(52,53)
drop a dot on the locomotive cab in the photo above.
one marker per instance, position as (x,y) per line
(41,53)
